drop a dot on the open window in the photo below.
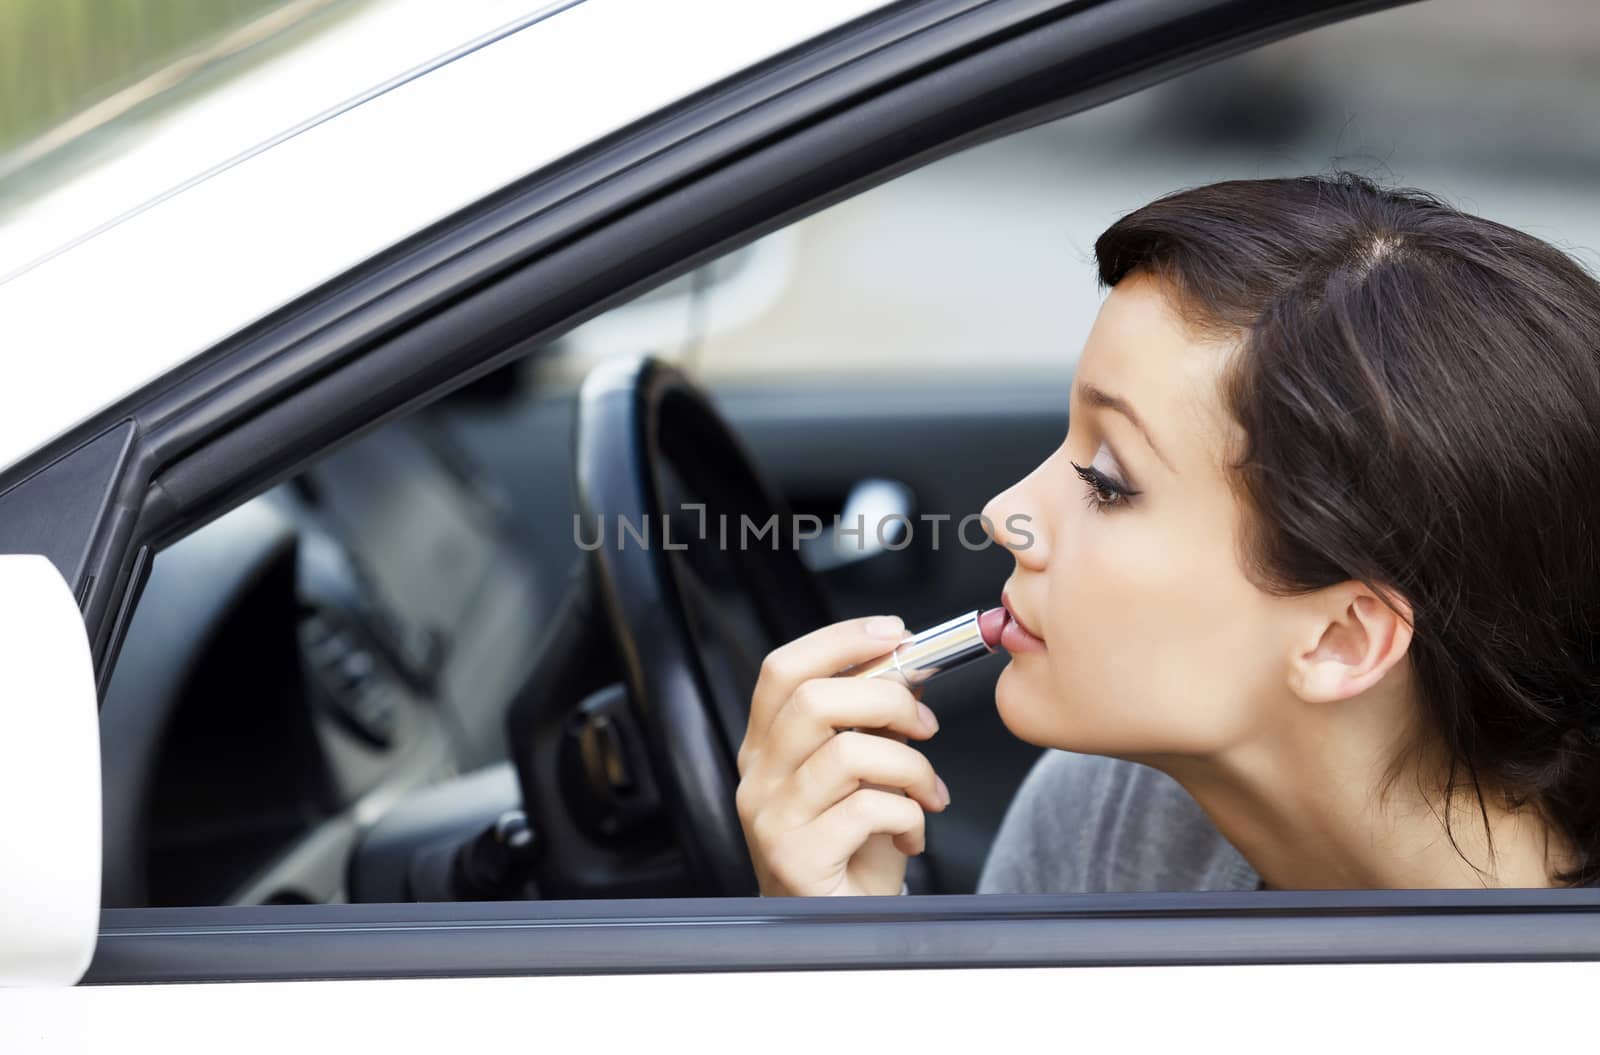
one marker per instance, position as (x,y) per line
(312,697)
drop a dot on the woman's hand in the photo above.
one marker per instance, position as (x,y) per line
(830,812)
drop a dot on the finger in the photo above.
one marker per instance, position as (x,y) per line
(842,765)
(916,694)
(819,654)
(838,833)
(819,708)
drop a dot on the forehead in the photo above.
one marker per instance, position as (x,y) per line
(1140,349)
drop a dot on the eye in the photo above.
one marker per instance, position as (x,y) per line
(1104,490)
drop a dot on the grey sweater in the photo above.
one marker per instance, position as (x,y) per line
(1090,824)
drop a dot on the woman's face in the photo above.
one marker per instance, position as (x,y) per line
(1154,642)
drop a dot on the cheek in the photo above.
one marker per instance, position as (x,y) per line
(1151,631)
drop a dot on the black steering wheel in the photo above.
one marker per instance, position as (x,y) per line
(698,573)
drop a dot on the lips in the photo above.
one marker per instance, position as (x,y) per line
(992,624)
(1016,637)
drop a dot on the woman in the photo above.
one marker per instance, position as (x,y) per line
(1309,596)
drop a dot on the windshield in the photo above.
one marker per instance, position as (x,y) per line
(107,107)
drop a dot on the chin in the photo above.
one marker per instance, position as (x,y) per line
(1038,715)
(1011,701)
(1032,713)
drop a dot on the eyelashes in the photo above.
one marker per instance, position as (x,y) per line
(1103,492)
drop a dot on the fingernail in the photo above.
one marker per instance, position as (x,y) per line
(944,792)
(929,721)
(889,627)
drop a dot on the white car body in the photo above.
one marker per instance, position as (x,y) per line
(134,295)
(179,273)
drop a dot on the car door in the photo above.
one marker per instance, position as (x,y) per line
(848,111)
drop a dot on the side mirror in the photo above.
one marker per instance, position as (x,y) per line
(49,779)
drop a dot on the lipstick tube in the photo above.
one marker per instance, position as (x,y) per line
(928,653)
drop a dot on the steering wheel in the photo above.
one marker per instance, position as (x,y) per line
(673,602)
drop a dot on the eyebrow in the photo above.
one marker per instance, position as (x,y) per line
(1099,397)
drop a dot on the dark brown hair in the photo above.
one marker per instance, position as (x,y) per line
(1419,391)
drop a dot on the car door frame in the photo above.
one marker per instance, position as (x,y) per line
(675,935)
(852,109)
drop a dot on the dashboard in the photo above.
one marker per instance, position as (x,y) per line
(300,664)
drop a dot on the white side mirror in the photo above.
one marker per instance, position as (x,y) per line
(49,779)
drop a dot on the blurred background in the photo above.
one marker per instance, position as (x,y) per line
(984,260)
(978,261)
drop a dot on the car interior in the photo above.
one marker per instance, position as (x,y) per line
(314,700)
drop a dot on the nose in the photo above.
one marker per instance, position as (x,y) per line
(1011,519)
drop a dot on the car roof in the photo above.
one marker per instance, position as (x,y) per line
(122,299)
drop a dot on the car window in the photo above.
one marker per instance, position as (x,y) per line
(404,583)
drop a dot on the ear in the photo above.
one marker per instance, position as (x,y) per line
(1354,640)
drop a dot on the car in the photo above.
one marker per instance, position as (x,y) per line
(303,489)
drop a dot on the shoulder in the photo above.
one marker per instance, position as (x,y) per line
(1084,823)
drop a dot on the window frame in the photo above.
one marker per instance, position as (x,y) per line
(870,101)
(677,935)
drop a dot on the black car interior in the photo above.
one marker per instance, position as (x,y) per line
(399,676)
